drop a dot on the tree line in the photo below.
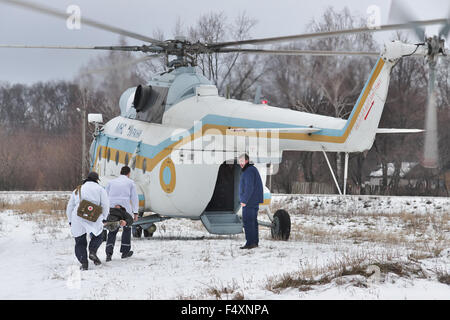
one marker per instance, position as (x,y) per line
(40,145)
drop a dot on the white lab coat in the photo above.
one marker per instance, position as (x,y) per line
(94,193)
(122,191)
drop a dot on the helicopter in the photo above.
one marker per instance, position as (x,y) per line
(182,140)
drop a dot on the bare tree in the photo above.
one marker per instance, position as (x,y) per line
(112,74)
(322,85)
(234,74)
(404,108)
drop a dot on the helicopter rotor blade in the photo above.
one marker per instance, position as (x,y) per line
(87,21)
(120,66)
(300,52)
(430,157)
(399,12)
(445,30)
(144,48)
(325,34)
(24,46)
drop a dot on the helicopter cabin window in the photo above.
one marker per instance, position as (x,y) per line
(150,103)
(108,155)
(117,157)
(127,159)
(100,153)
(144,166)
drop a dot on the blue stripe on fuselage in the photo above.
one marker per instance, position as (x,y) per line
(150,151)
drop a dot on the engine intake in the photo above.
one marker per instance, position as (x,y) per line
(141,97)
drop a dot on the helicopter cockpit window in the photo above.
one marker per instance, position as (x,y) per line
(150,102)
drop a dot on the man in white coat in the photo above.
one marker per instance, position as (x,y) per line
(93,192)
(122,191)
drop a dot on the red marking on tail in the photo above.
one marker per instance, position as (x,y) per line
(369,110)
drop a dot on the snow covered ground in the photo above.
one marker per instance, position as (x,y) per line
(333,242)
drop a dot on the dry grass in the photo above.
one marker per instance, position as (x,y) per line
(444,277)
(231,291)
(338,271)
(49,216)
(426,234)
(185,297)
(311,274)
(33,206)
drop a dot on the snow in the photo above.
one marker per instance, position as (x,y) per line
(404,169)
(184,261)
(362,204)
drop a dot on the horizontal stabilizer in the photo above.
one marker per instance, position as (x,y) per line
(383,130)
(296,130)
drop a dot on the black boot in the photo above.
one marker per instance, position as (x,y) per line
(94,258)
(84,266)
(127,255)
(108,257)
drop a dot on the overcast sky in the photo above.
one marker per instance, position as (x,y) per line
(275,18)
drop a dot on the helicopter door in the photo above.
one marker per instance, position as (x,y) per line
(220,215)
(226,192)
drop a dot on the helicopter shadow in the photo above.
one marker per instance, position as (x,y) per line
(185,238)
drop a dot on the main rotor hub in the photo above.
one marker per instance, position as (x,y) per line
(436,45)
(185,51)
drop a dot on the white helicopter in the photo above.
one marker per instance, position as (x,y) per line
(182,139)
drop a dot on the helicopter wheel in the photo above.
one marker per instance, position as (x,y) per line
(281,225)
(148,233)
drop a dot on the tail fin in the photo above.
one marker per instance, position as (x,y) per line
(363,121)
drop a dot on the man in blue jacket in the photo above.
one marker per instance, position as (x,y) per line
(251,195)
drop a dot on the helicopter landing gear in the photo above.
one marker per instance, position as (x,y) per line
(137,231)
(148,233)
(281,225)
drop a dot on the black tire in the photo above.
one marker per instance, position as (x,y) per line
(148,233)
(137,232)
(281,225)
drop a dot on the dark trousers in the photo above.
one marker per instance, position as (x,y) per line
(250,220)
(81,246)
(126,240)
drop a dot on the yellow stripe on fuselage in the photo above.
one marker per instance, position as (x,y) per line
(153,162)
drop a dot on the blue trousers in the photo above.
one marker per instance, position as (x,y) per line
(250,220)
(81,246)
(126,240)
